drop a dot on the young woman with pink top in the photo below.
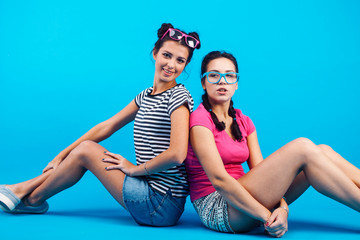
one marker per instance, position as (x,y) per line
(222,138)
(154,190)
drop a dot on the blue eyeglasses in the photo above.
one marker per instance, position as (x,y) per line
(215,77)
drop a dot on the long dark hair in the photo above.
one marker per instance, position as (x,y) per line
(235,129)
(159,43)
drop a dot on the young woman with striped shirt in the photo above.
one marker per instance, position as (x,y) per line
(154,190)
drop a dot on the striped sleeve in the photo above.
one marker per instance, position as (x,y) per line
(179,97)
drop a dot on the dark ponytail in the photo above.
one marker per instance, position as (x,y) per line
(235,129)
(219,125)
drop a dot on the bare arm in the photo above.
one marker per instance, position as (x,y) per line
(256,157)
(254,149)
(100,132)
(277,224)
(203,143)
(173,156)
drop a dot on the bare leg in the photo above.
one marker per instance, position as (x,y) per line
(87,156)
(297,188)
(271,179)
(301,184)
(350,170)
(24,188)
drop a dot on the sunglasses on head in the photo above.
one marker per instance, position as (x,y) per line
(178,35)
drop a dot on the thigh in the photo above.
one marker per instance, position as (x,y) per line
(268,181)
(349,169)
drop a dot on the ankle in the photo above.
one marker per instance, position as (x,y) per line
(16,190)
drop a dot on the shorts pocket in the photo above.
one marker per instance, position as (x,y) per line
(168,212)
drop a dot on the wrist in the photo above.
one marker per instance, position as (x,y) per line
(135,171)
(265,217)
(60,157)
(146,170)
(285,208)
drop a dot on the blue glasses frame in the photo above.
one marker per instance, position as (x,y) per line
(222,75)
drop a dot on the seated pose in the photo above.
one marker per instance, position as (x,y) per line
(222,138)
(154,190)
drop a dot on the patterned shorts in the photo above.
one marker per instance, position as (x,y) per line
(213,212)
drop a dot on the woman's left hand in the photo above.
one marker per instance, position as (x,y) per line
(120,163)
(277,224)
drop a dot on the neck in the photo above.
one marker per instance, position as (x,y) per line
(221,110)
(161,86)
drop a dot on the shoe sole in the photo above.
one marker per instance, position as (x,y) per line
(5,203)
(4,208)
(21,209)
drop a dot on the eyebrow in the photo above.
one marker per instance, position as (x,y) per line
(227,71)
(173,55)
(183,58)
(165,51)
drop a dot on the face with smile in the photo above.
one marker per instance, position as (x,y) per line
(220,92)
(170,61)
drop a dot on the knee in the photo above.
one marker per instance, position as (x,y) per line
(83,149)
(325,148)
(306,147)
(303,142)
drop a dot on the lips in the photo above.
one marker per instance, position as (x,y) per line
(167,72)
(222,90)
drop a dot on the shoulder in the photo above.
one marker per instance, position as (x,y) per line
(180,89)
(200,110)
(138,99)
(179,95)
(144,92)
(201,117)
(245,121)
(240,114)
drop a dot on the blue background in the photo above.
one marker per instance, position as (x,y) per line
(68,65)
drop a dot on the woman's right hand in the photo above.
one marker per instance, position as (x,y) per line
(53,164)
(277,224)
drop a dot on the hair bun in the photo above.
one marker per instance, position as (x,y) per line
(164,27)
(196,35)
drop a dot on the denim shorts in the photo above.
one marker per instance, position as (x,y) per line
(150,207)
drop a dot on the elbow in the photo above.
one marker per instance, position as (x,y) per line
(103,131)
(107,132)
(219,183)
(179,156)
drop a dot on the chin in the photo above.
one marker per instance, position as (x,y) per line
(218,100)
(167,79)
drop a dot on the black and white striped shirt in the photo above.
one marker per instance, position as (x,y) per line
(152,129)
